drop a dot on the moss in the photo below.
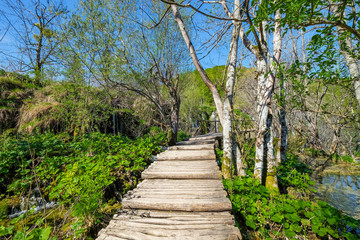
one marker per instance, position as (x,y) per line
(343,169)
(271,182)
(4,206)
(225,168)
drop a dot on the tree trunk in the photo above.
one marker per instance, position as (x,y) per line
(38,62)
(265,164)
(228,142)
(271,176)
(175,109)
(282,113)
(263,112)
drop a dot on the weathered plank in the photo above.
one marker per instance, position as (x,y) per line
(187,155)
(195,142)
(181,175)
(205,205)
(193,147)
(206,137)
(172,225)
(178,195)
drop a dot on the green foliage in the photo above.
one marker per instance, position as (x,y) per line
(182,136)
(64,167)
(295,174)
(38,233)
(347,159)
(67,107)
(278,216)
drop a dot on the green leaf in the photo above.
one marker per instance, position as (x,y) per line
(45,233)
(289,233)
(251,224)
(331,221)
(293,217)
(305,222)
(288,208)
(277,218)
(322,232)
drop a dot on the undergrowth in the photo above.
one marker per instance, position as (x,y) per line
(292,213)
(86,175)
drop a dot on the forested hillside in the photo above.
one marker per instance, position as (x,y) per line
(91,91)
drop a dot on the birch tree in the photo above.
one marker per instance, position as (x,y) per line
(224,107)
(265,164)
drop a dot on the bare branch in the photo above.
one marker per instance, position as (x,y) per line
(201,12)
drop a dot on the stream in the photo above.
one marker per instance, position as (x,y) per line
(342,192)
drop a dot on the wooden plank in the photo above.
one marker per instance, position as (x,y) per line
(177,182)
(186,218)
(186,155)
(168,213)
(178,221)
(177,193)
(204,205)
(182,168)
(195,142)
(192,147)
(205,137)
(139,225)
(105,236)
(182,187)
(148,234)
(153,231)
(181,175)
(188,163)
(178,196)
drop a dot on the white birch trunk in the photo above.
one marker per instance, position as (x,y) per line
(263,112)
(271,178)
(265,162)
(229,90)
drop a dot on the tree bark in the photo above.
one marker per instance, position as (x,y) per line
(175,109)
(263,110)
(277,43)
(228,141)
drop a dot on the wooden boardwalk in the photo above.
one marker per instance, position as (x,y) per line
(181,197)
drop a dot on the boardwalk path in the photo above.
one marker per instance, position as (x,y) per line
(182,197)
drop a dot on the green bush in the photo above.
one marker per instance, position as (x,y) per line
(295,174)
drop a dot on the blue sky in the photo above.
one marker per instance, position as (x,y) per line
(218,55)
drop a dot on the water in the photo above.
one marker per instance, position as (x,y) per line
(342,192)
(36,209)
(35,202)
